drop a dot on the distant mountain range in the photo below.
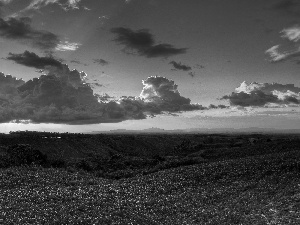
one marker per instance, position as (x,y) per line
(154,130)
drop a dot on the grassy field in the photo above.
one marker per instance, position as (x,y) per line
(201,182)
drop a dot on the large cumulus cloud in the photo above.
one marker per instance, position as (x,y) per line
(50,65)
(264,94)
(161,94)
(142,42)
(8,88)
(62,95)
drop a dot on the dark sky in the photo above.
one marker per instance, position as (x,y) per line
(176,54)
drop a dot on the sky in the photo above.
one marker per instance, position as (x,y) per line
(97,65)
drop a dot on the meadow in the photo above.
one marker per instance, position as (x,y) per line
(52,178)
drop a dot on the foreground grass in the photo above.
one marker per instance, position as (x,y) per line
(253,190)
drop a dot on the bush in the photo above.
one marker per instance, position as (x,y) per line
(57,162)
(4,161)
(24,154)
(159,158)
(85,164)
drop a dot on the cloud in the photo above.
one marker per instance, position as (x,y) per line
(66,5)
(198,66)
(141,42)
(20,29)
(31,59)
(161,94)
(4,2)
(292,33)
(51,65)
(266,87)
(78,62)
(105,98)
(291,50)
(86,8)
(62,95)
(192,74)
(281,56)
(275,55)
(67,46)
(35,5)
(73,4)
(287,51)
(161,89)
(288,96)
(101,62)
(8,85)
(180,66)
(255,98)
(75,61)
(264,94)
(95,84)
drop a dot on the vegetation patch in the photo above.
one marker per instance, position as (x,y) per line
(256,183)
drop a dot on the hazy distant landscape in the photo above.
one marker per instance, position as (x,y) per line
(64,178)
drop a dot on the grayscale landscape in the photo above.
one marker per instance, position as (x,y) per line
(62,178)
(150,112)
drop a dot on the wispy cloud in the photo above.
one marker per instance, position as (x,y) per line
(291,50)
(5,2)
(73,3)
(78,62)
(67,46)
(275,55)
(66,5)
(34,5)
(180,66)
(101,62)
(292,33)
(86,8)
(142,42)
(192,74)
(198,66)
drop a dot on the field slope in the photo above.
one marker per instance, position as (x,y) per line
(229,186)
